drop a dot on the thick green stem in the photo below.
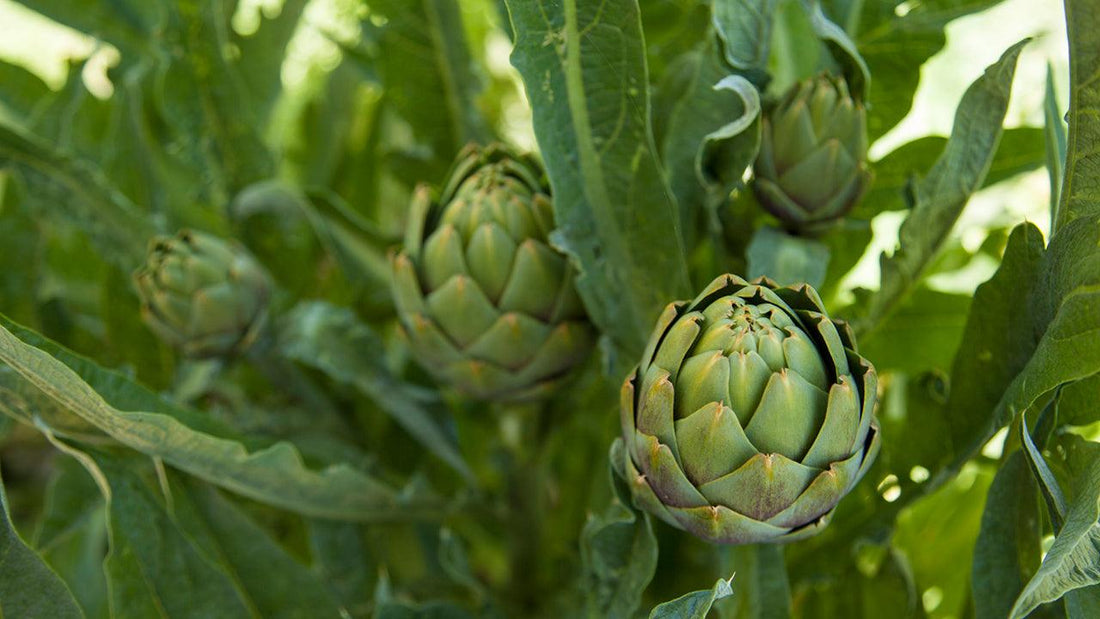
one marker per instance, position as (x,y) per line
(523,434)
(760,585)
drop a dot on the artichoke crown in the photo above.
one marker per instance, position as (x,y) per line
(812,167)
(488,305)
(202,295)
(750,415)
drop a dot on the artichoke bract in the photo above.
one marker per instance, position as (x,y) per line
(204,296)
(488,305)
(750,415)
(812,167)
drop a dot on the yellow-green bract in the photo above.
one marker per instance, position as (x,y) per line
(488,305)
(750,415)
(203,295)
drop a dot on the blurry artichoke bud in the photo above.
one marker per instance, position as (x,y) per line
(750,416)
(204,296)
(488,305)
(812,168)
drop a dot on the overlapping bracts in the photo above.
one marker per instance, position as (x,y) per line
(750,415)
(205,296)
(488,305)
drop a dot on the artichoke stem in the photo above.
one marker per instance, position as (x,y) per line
(523,431)
(762,588)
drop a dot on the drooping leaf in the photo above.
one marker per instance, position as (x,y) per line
(711,131)
(274,474)
(745,27)
(583,63)
(262,54)
(842,47)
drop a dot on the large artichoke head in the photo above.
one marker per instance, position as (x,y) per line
(750,415)
(203,295)
(812,168)
(488,305)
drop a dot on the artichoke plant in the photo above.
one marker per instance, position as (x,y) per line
(488,305)
(812,167)
(750,415)
(203,295)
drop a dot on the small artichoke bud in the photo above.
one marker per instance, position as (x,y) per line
(204,296)
(750,415)
(488,305)
(812,168)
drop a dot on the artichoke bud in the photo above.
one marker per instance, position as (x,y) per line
(202,295)
(750,415)
(487,304)
(812,167)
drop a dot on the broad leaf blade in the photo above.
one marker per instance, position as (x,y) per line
(1073,561)
(583,63)
(1080,195)
(28,587)
(275,474)
(941,196)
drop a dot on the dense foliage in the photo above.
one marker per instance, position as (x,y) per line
(320,308)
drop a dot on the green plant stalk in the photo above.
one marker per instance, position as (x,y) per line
(523,432)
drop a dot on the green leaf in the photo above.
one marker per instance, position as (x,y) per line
(942,194)
(618,553)
(275,474)
(425,65)
(923,334)
(332,340)
(1077,402)
(745,28)
(712,133)
(694,605)
(842,47)
(583,63)
(1067,302)
(1073,561)
(1020,150)
(995,344)
(787,259)
(28,587)
(1080,195)
(896,43)
(75,189)
(1054,134)
(275,583)
(206,102)
(72,534)
(1007,552)
(1052,493)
